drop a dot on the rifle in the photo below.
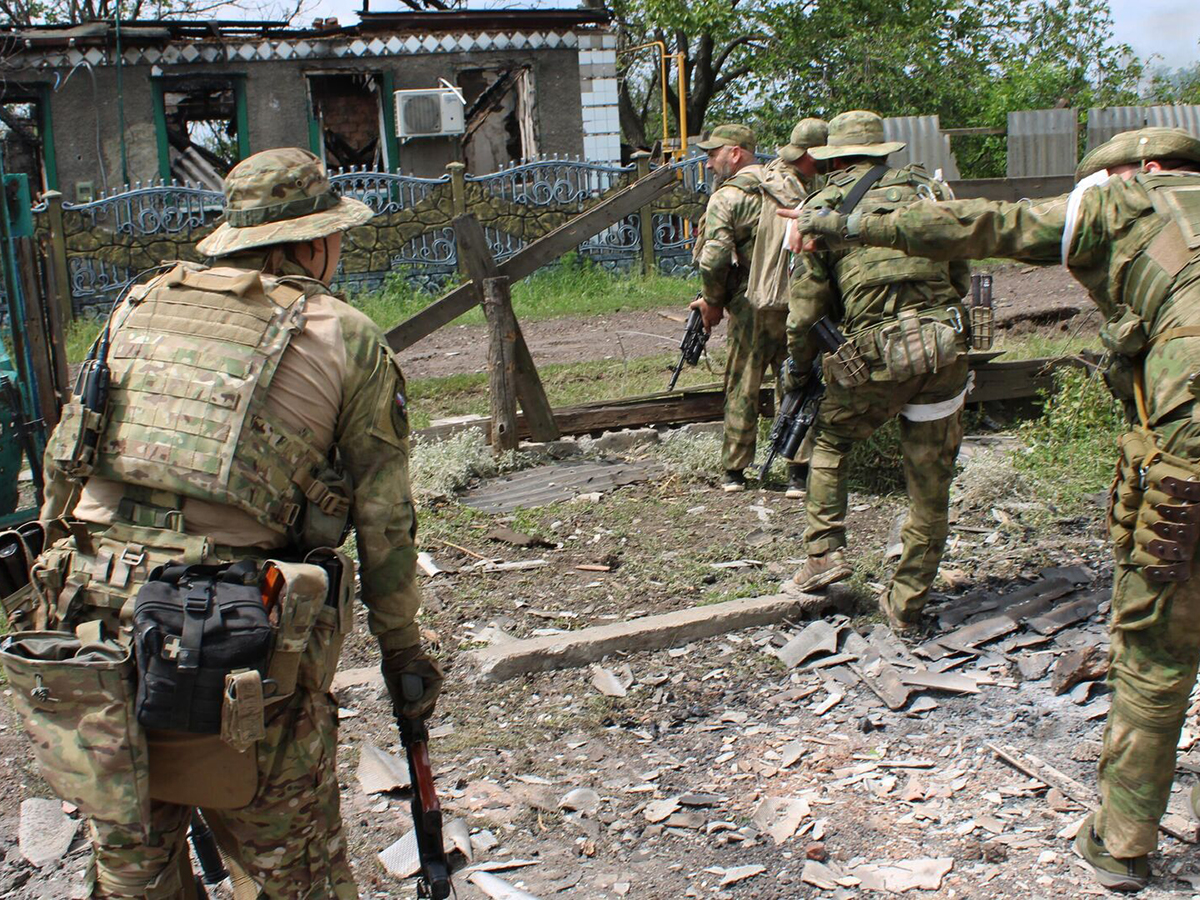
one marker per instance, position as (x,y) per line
(434,880)
(695,336)
(212,869)
(798,409)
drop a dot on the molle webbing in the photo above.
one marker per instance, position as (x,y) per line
(192,364)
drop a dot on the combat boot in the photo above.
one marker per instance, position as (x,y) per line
(820,571)
(733,482)
(901,625)
(1112,873)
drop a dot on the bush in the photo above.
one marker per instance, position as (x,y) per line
(439,468)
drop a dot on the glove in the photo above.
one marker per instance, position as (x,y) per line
(410,665)
(837,230)
(792,380)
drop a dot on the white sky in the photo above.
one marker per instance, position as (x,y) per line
(1169,29)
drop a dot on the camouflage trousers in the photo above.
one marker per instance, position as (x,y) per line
(289,840)
(849,415)
(1152,672)
(757,342)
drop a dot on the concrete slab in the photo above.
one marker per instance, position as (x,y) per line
(588,645)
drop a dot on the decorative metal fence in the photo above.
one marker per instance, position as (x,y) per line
(106,242)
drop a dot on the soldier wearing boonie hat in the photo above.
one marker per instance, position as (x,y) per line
(251,416)
(1130,233)
(875,293)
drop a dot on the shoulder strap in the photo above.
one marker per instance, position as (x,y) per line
(860,189)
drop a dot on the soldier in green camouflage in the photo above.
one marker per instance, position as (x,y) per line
(234,386)
(904,322)
(1130,234)
(723,254)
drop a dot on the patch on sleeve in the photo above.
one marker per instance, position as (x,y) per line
(390,422)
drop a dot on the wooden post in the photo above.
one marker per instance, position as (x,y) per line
(502,365)
(458,186)
(60,272)
(35,333)
(475,260)
(645,216)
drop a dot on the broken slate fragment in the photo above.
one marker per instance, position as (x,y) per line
(740,873)
(903,875)
(941,681)
(606,682)
(819,637)
(380,771)
(819,875)
(45,832)
(1088,663)
(506,535)
(497,888)
(658,810)
(1034,666)
(581,800)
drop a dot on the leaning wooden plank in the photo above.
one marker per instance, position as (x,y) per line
(588,645)
(532,257)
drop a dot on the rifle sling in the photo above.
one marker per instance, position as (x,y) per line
(864,184)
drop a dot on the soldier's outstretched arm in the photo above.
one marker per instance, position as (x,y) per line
(970,229)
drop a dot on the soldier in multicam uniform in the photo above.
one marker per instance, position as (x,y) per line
(1130,234)
(904,320)
(331,388)
(723,253)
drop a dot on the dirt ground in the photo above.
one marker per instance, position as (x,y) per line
(1025,298)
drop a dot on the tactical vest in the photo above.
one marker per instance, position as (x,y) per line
(192,362)
(878,266)
(1147,265)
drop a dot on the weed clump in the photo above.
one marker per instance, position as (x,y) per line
(688,456)
(439,468)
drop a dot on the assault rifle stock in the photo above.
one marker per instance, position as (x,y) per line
(798,409)
(695,336)
(434,880)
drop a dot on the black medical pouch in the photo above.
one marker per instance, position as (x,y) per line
(192,626)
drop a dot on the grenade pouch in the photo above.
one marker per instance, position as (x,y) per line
(73,444)
(846,366)
(983,327)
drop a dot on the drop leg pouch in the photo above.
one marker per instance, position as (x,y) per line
(75,695)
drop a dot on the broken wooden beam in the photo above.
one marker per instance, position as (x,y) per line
(532,257)
(502,370)
(589,645)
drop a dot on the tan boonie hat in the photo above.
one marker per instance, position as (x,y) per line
(1135,146)
(278,196)
(729,136)
(855,133)
(807,134)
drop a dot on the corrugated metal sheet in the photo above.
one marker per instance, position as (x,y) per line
(926,144)
(556,482)
(1103,123)
(1042,142)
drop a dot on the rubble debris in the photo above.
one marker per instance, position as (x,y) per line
(505,535)
(818,637)
(556,482)
(941,681)
(519,565)
(606,682)
(347,678)
(497,888)
(428,566)
(1061,617)
(584,801)
(1088,663)
(45,832)
(379,771)
(660,810)
(740,873)
(904,875)
(1034,666)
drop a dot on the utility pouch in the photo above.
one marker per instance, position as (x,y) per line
(1129,486)
(983,327)
(334,621)
(297,594)
(912,346)
(325,520)
(19,548)
(193,626)
(73,444)
(243,720)
(75,696)
(1168,521)
(846,366)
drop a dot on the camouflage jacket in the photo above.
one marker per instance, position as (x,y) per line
(339,380)
(727,237)
(1125,241)
(860,287)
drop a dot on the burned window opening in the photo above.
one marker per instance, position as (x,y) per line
(21,138)
(499,117)
(202,129)
(346,107)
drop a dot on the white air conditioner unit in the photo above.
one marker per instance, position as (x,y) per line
(429,113)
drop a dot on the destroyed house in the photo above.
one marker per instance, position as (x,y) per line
(86,109)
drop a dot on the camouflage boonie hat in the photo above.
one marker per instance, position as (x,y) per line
(855,133)
(729,136)
(807,134)
(1135,146)
(278,196)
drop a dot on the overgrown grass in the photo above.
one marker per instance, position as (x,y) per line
(1069,450)
(572,286)
(81,334)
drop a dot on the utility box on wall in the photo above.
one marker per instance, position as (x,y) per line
(428,113)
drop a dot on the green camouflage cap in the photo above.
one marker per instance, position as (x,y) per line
(278,196)
(855,133)
(729,136)
(807,134)
(1135,146)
